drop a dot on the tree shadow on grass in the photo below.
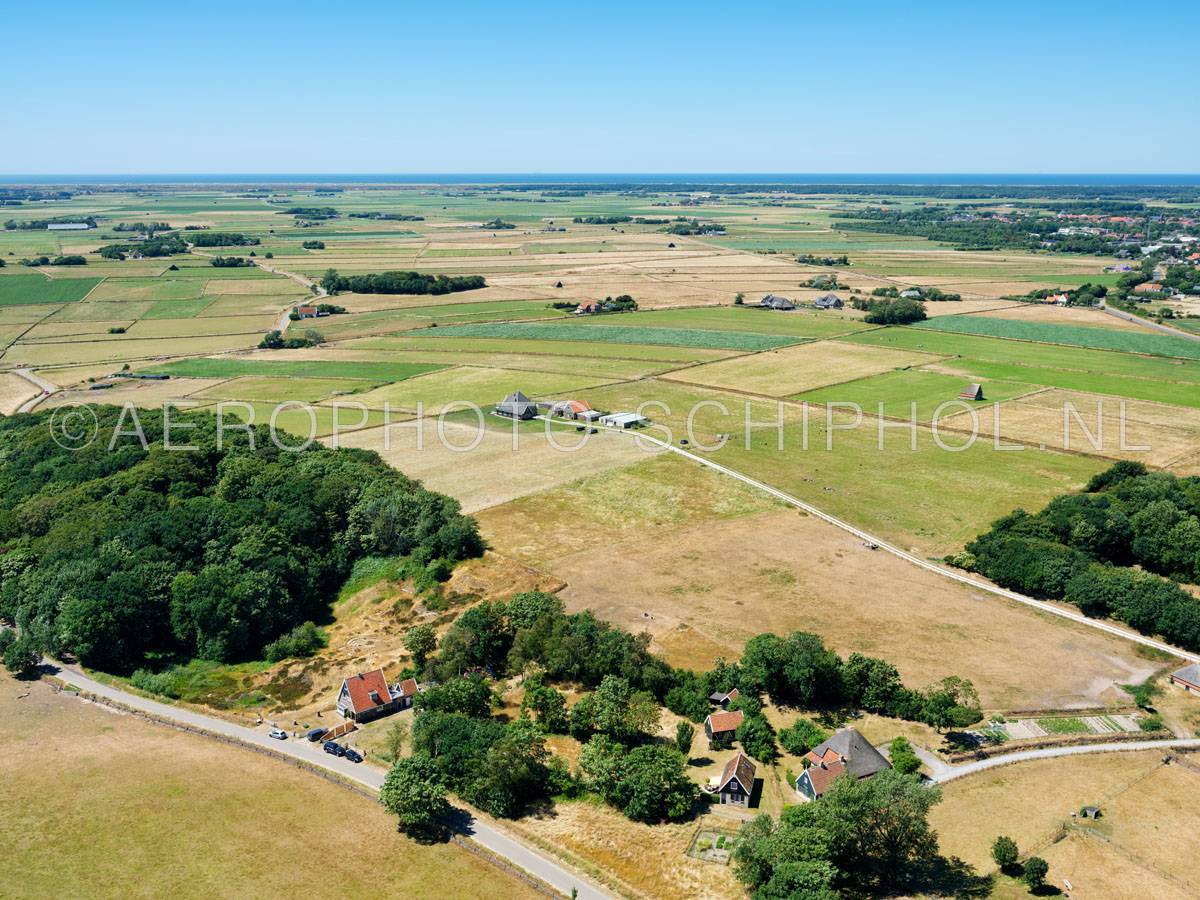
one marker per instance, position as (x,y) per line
(951,877)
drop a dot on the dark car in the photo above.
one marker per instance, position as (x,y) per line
(353,755)
(315,734)
(335,748)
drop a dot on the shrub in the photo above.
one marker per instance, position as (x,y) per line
(303,640)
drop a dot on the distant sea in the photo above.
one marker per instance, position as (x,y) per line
(949,178)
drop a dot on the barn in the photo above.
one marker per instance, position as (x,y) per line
(774,301)
(971,392)
(516,406)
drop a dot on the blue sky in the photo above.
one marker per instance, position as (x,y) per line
(600,87)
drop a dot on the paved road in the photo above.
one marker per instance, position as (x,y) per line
(1157,326)
(949,773)
(881,544)
(498,842)
(47,388)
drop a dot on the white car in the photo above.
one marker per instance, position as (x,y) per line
(278,733)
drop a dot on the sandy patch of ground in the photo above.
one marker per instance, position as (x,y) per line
(14,390)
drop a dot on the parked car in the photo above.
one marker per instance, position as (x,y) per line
(315,734)
(334,748)
(278,733)
(353,755)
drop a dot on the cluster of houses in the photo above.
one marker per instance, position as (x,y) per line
(776,302)
(517,406)
(847,752)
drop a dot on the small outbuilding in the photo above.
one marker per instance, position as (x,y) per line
(774,301)
(623,420)
(720,727)
(723,699)
(1091,812)
(516,406)
(912,294)
(1187,678)
(971,392)
(737,781)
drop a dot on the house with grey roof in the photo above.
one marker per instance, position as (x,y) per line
(774,301)
(1187,678)
(516,406)
(846,753)
(828,301)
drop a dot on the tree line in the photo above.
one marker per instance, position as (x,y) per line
(1118,549)
(222,239)
(400,283)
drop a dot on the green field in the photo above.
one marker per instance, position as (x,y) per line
(1072,335)
(798,323)
(178,309)
(231,367)
(618,334)
(897,391)
(23,290)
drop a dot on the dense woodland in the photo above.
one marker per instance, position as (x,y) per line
(221,239)
(141,557)
(1118,549)
(400,283)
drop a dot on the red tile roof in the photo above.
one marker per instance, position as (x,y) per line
(407,688)
(362,686)
(720,722)
(821,777)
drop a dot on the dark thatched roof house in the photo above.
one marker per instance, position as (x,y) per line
(517,406)
(774,301)
(846,753)
(971,392)
(720,727)
(737,781)
(828,301)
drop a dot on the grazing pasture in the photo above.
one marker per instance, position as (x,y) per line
(25,290)
(1126,341)
(470,384)
(233,366)
(626,334)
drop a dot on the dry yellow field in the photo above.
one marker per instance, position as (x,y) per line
(105,805)
(1146,831)
(14,390)
(1062,315)
(492,471)
(681,542)
(792,370)
(1157,434)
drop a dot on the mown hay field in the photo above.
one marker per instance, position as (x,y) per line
(783,373)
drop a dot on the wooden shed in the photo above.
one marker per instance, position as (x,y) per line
(971,392)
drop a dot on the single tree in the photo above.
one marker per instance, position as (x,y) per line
(420,641)
(904,758)
(394,739)
(1034,873)
(684,732)
(1005,852)
(414,794)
